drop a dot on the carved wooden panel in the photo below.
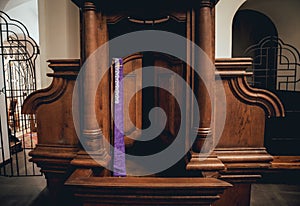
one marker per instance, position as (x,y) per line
(132,104)
(165,98)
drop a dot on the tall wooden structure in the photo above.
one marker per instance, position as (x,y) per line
(79,167)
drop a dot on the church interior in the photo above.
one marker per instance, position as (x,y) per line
(149,103)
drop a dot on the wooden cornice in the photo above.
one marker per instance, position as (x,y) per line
(234,70)
(233,67)
(243,164)
(63,70)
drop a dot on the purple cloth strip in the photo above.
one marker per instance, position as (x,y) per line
(119,165)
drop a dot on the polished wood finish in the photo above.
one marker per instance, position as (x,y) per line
(239,157)
(91,134)
(203,28)
(285,163)
(237,195)
(241,146)
(144,190)
(57,138)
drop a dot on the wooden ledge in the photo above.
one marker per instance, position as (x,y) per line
(233,67)
(286,163)
(144,190)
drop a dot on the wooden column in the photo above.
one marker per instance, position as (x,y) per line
(204,41)
(91,133)
(204,38)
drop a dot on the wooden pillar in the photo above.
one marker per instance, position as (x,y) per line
(91,132)
(204,38)
(204,41)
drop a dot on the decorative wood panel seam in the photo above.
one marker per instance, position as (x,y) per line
(64,69)
(263,98)
(46,96)
(234,70)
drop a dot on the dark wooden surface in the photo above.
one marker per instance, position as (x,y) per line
(239,158)
(98,191)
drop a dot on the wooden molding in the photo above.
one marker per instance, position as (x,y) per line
(114,19)
(93,190)
(44,96)
(63,70)
(53,158)
(243,164)
(205,164)
(263,98)
(234,69)
(285,163)
(57,139)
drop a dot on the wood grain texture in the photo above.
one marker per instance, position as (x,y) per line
(57,139)
(240,156)
(246,107)
(98,191)
(238,195)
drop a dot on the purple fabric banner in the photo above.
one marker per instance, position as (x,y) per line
(119,146)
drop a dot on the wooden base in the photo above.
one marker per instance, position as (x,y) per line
(239,194)
(100,191)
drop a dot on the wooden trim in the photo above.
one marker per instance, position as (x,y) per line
(243,164)
(45,96)
(234,69)
(144,190)
(63,69)
(285,163)
(263,98)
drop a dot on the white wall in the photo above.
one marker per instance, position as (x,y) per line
(284,14)
(53,24)
(225,11)
(26,11)
(59,33)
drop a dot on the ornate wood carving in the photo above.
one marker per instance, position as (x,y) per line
(240,155)
(228,68)
(265,99)
(57,139)
(241,146)
(57,87)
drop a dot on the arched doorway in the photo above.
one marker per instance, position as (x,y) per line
(275,68)
(249,29)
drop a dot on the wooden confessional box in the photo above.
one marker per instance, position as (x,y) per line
(77,169)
